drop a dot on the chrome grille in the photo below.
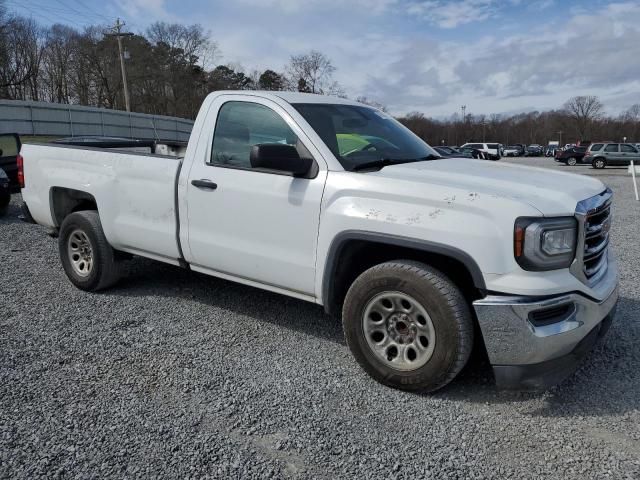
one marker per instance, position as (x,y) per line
(594,220)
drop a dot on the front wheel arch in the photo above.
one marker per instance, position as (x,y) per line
(354,251)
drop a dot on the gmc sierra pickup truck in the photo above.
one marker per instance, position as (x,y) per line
(336,203)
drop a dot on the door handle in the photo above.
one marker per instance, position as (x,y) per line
(205,184)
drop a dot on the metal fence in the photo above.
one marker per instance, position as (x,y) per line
(59,120)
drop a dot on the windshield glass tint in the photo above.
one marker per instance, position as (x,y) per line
(358,135)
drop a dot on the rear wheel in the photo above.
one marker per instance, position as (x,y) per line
(87,258)
(599,163)
(5,199)
(572,161)
(408,325)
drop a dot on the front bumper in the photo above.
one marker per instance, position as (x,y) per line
(532,351)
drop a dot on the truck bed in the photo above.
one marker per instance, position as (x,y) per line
(135,193)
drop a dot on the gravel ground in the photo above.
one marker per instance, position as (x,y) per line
(174,374)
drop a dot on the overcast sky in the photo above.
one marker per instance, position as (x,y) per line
(427,55)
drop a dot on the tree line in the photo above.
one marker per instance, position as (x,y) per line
(172,67)
(581,118)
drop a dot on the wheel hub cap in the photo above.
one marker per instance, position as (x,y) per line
(399,331)
(80,253)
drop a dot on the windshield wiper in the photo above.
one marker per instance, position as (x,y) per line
(385,162)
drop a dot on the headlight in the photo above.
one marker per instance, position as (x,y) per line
(545,243)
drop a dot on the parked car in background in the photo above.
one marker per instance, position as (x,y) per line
(534,150)
(551,151)
(9,149)
(5,192)
(491,150)
(469,152)
(571,156)
(511,151)
(447,151)
(601,155)
(522,149)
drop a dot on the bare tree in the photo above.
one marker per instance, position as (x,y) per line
(57,61)
(313,73)
(633,113)
(584,110)
(189,42)
(20,55)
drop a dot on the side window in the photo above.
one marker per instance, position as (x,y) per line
(596,147)
(612,147)
(627,149)
(240,126)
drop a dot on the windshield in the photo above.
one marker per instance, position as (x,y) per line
(358,136)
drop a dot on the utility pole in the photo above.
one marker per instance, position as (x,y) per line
(116,31)
(560,132)
(464,112)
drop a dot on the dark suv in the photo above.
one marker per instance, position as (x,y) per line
(571,156)
(602,154)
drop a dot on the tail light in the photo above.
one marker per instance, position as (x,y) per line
(20,162)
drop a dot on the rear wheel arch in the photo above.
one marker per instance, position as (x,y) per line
(353,252)
(65,201)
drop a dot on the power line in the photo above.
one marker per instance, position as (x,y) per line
(63,13)
(40,13)
(84,5)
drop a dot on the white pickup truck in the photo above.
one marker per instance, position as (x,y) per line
(336,203)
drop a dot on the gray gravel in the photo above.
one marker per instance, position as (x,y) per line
(174,374)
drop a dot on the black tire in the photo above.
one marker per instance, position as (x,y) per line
(105,268)
(445,305)
(572,162)
(599,163)
(5,200)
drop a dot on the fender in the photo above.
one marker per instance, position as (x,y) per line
(426,246)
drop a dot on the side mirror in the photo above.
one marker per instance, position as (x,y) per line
(281,158)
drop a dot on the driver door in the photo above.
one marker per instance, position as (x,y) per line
(254,226)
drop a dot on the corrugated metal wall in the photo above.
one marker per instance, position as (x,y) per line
(59,120)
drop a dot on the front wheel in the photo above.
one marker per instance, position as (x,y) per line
(599,163)
(87,258)
(572,161)
(408,325)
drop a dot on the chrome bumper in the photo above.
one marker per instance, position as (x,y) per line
(511,337)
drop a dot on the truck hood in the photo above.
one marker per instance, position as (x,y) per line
(552,193)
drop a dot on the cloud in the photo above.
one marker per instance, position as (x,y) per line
(450,14)
(591,54)
(296,6)
(383,49)
(149,8)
